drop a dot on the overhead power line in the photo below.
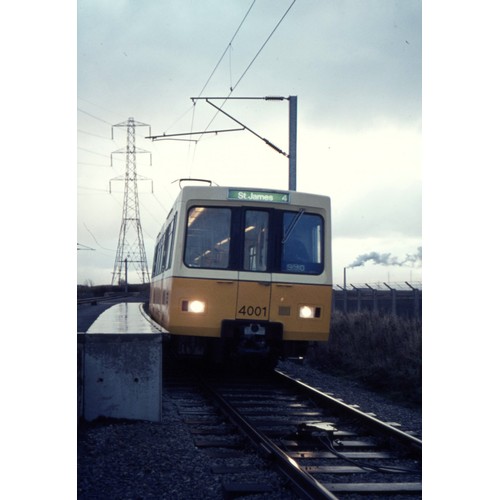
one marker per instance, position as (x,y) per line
(263,45)
(227,48)
(94,238)
(81,246)
(92,134)
(93,116)
(93,152)
(232,89)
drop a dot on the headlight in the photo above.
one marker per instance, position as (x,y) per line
(193,306)
(307,312)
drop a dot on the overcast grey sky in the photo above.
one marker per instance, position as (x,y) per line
(355,66)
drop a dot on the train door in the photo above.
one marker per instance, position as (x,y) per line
(254,276)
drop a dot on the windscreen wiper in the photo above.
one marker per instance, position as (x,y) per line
(292,225)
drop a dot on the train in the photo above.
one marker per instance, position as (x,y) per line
(241,272)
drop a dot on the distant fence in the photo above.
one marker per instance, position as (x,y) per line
(398,299)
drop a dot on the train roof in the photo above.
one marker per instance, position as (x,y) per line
(253,195)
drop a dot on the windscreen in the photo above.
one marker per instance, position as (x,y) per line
(301,243)
(208,238)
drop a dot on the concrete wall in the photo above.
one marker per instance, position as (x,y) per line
(120,376)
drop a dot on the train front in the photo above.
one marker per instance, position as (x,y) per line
(254,277)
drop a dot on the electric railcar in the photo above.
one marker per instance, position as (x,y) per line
(243,271)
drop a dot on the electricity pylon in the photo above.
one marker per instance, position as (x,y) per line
(130,251)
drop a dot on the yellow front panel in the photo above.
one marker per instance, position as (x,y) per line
(286,300)
(219,297)
(244,300)
(253,300)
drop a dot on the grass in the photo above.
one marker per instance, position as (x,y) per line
(383,352)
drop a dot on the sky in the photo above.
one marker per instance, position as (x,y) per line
(355,67)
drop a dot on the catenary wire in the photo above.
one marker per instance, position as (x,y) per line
(227,47)
(264,44)
(251,62)
(208,80)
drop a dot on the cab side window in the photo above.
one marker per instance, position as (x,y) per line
(163,251)
(169,245)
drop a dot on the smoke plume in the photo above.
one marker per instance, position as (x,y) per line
(386,259)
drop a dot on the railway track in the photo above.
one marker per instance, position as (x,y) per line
(321,447)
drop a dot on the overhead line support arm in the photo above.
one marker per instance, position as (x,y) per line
(269,143)
(169,136)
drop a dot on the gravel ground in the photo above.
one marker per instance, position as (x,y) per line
(352,392)
(143,460)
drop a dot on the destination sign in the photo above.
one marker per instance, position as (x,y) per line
(262,196)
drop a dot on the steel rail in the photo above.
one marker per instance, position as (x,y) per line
(405,439)
(304,483)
